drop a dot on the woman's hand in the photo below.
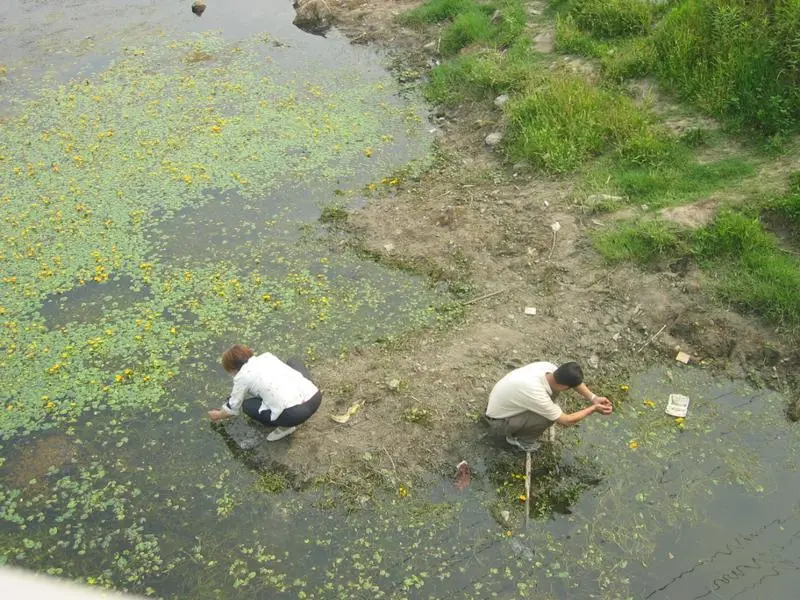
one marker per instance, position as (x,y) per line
(216,415)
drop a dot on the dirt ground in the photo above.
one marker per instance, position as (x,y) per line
(474,215)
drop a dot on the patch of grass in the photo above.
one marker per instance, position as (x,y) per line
(570,39)
(415,414)
(482,75)
(333,214)
(787,207)
(619,60)
(631,58)
(673,182)
(436,11)
(272,482)
(494,25)
(646,242)
(736,59)
(749,268)
(467,28)
(744,261)
(613,18)
(565,121)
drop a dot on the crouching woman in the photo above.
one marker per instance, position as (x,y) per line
(269,391)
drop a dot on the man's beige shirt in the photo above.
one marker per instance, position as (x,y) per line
(524,389)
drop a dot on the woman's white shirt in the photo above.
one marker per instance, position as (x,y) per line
(277,384)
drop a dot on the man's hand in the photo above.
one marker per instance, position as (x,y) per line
(603,405)
(216,415)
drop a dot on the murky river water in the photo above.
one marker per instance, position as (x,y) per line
(161,177)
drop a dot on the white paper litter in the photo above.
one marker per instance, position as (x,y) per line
(678,405)
(530,310)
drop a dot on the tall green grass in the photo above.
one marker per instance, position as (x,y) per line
(494,24)
(675,181)
(436,11)
(738,60)
(750,270)
(484,74)
(565,120)
(613,18)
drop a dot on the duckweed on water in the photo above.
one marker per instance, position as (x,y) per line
(89,170)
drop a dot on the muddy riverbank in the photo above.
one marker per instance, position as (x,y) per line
(485,227)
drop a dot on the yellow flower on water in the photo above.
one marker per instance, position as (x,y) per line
(633,444)
(187,179)
(402,492)
(118,378)
(509,533)
(215,129)
(649,403)
(624,387)
(368,151)
(522,497)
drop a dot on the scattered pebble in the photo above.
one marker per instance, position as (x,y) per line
(501,100)
(493,139)
(198,7)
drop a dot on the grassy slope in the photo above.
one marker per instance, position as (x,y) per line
(734,60)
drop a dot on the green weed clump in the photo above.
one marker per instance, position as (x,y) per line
(482,75)
(751,271)
(493,24)
(678,180)
(736,59)
(436,11)
(613,18)
(566,120)
(748,268)
(645,242)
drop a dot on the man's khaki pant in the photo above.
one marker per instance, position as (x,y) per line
(527,427)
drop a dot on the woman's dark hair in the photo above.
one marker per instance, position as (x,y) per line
(234,357)
(569,374)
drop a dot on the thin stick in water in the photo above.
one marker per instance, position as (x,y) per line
(528,464)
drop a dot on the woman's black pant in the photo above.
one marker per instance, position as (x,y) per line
(292,416)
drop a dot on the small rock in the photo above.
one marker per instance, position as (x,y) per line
(594,361)
(393,384)
(501,100)
(493,139)
(683,357)
(198,7)
(615,337)
(505,515)
(530,310)
(388,247)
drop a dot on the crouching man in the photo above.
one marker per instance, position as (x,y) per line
(522,404)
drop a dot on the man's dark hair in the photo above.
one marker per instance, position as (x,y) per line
(569,374)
